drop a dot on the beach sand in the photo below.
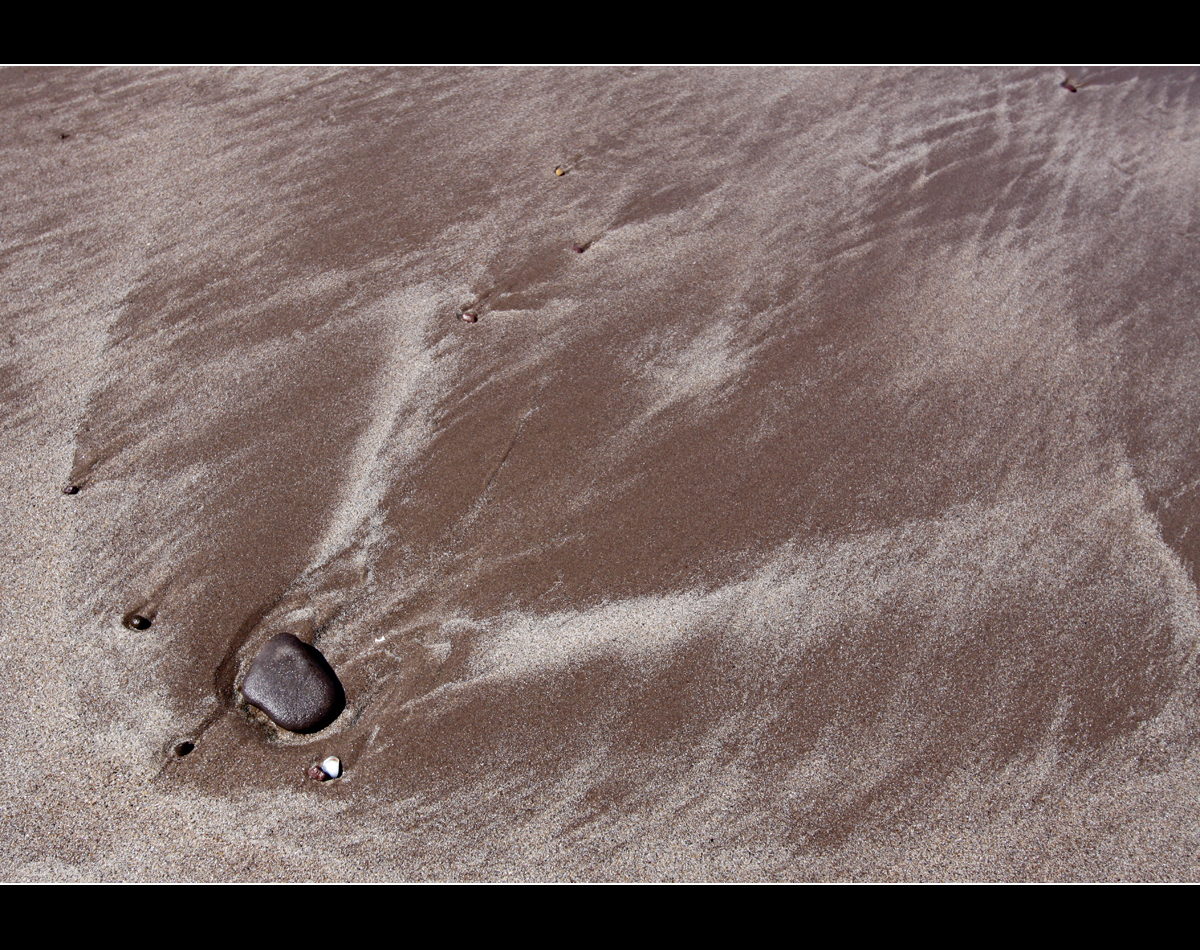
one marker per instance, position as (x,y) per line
(816,496)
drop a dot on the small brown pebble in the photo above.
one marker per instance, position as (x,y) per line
(578,248)
(469,316)
(326,770)
(560,171)
(137,622)
(71,490)
(1069,86)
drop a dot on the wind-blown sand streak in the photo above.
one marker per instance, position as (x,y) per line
(831,514)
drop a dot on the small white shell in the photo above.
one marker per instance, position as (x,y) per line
(332,767)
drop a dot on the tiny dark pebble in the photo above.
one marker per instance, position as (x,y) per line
(317,774)
(1069,86)
(71,490)
(137,622)
(294,685)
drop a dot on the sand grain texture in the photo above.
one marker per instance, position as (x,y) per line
(832,514)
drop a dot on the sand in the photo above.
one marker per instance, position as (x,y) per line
(816,496)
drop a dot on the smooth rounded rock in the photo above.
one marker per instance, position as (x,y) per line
(294,684)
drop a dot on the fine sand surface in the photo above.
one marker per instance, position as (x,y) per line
(834,514)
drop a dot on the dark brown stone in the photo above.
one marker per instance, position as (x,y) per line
(294,684)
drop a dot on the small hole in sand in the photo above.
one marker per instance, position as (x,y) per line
(184,748)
